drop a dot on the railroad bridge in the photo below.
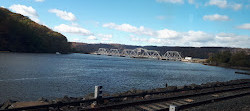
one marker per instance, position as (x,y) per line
(140,53)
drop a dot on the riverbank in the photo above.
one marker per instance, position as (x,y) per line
(204,62)
(227,66)
(142,94)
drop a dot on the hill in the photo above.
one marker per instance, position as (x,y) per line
(20,34)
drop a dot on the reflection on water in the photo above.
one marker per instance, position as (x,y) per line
(30,76)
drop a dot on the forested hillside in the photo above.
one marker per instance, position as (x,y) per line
(20,34)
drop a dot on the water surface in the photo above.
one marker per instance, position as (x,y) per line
(30,76)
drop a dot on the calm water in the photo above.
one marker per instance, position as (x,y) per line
(30,76)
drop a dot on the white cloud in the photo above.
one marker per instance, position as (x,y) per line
(232,40)
(244,26)
(171,1)
(26,11)
(63,14)
(224,4)
(236,6)
(216,17)
(123,27)
(105,37)
(92,38)
(219,3)
(225,37)
(72,29)
(167,34)
(155,40)
(102,37)
(2,6)
(39,0)
(197,36)
(75,24)
(139,39)
(129,28)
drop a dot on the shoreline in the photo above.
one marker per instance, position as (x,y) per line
(203,61)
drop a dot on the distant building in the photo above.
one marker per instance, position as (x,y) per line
(188,58)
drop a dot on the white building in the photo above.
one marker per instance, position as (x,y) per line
(188,58)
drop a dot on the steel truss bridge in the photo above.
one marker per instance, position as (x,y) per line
(140,53)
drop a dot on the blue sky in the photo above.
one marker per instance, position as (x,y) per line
(143,22)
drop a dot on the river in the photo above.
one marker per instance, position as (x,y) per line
(28,76)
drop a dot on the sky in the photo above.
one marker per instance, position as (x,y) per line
(224,23)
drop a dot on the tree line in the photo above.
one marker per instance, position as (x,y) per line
(227,58)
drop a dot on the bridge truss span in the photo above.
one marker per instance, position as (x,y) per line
(114,52)
(129,53)
(140,53)
(102,51)
(172,55)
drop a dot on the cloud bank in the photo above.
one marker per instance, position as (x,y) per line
(169,37)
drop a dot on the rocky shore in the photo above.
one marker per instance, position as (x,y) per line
(142,94)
